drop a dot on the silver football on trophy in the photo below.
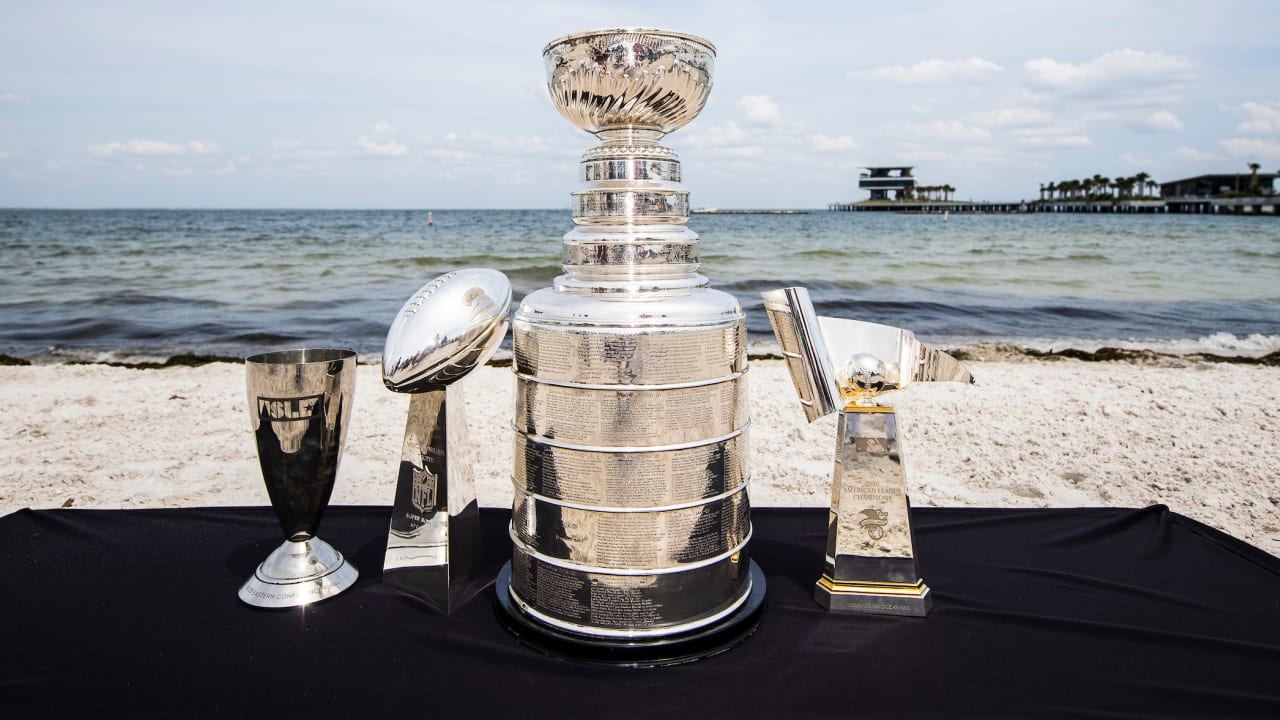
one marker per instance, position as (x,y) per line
(452,325)
(629,78)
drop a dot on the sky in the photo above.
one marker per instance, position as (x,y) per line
(444,104)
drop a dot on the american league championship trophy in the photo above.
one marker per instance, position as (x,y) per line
(630,522)
(299,402)
(844,365)
(451,326)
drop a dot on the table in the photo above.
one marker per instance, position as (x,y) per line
(1037,613)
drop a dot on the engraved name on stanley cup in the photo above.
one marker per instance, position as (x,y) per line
(630,518)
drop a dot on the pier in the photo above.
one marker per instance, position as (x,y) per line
(927,207)
(1225,194)
(1183,205)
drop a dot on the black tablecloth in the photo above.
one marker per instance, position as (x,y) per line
(1037,613)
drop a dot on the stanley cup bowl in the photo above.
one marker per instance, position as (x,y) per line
(629,78)
(299,405)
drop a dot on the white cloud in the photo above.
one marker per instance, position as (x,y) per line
(4,154)
(382,126)
(824,143)
(502,144)
(1252,149)
(936,70)
(954,131)
(1052,137)
(295,152)
(1191,154)
(1161,120)
(450,154)
(760,110)
(153,148)
(1012,117)
(11,98)
(718,136)
(1263,118)
(390,148)
(1124,77)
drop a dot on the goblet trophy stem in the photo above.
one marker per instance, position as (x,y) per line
(299,403)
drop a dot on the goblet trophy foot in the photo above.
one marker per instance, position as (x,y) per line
(657,651)
(299,572)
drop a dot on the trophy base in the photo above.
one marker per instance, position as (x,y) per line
(874,598)
(634,652)
(299,572)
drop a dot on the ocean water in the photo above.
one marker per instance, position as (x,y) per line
(131,284)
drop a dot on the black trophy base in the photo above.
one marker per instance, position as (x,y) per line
(634,652)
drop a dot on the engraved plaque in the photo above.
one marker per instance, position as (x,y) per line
(628,357)
(633,479)
(632,605)
(619,540)
(631,418)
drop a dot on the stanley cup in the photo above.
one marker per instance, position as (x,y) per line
(630,523)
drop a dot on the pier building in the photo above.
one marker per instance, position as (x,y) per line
(883,180)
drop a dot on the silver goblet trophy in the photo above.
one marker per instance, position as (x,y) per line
(630,522)
(299,402)
(451,326)
(840,365)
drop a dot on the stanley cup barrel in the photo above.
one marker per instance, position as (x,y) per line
(630,522)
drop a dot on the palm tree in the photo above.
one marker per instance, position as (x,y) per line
(947,190)
(1141,179)
(1041,192)
(1152,185)
(1087,185)
(1100,184)
(1052,188)
(1253,179)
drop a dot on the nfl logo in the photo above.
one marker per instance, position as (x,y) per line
(424,489)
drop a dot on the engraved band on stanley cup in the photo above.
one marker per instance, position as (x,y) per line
(630,518)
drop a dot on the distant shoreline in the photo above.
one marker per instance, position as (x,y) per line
(717,211)
(983,352)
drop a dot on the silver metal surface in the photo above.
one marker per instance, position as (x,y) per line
(451,326)
(610,478)
(795,325)
(629,78)
(447,329)
(299,405)
(627,540)
(635,605)
(845,365)
(631,516)
(870,545)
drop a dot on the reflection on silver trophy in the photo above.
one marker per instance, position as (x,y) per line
(630,523)
(844,365)
(299,402)
(451,326)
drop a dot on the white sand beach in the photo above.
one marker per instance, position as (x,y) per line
(1201,437)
